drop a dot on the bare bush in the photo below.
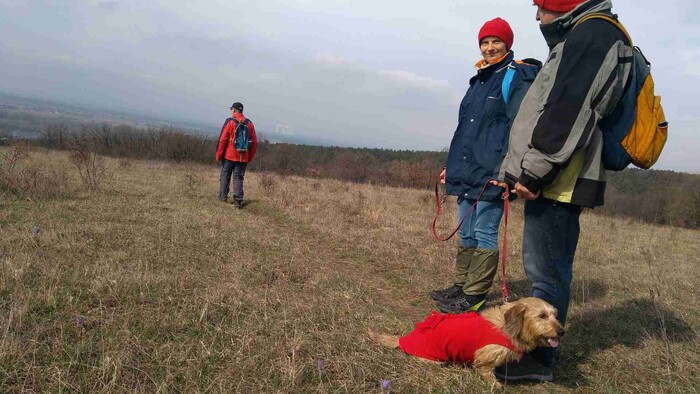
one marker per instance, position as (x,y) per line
(33,179)
(268,184)
(19,151)
(18,176)
(91,167)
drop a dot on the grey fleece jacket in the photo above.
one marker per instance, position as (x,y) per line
(555,142)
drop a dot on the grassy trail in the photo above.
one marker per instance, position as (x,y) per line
(152,285)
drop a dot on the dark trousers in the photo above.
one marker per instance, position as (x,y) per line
(550,237)
(229,168)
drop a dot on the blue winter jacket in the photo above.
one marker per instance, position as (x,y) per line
(481,140)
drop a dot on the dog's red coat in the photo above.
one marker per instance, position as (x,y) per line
(453,338)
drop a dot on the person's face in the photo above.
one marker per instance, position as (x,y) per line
(492,48)
(545,16)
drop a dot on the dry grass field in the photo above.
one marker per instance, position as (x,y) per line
(149,284)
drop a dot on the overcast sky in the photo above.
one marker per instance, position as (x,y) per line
(369,73)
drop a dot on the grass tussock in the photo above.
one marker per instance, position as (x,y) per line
(40,176)
(149,284)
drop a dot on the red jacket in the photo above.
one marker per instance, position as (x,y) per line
(225,147)
(453,338)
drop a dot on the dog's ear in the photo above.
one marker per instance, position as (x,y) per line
(514,320)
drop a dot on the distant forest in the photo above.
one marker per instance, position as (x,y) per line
(661,197)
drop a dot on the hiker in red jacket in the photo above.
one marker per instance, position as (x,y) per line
(235,159)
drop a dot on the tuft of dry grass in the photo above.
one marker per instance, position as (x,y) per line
(38,177)
(149,284)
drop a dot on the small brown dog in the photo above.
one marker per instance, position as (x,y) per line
(496,336)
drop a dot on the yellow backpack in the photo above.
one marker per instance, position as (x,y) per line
(636,130)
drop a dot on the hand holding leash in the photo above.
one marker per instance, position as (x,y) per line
(524,192)
(499,183)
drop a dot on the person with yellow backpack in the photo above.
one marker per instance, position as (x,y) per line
(589,108)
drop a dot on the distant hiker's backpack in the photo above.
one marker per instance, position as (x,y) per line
(241,139)
(636,130)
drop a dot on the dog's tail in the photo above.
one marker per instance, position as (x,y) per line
(390,341)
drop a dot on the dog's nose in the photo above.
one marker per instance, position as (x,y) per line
(560,331)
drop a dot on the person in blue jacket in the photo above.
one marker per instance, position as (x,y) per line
(477,149)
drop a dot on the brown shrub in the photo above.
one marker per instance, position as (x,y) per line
(19,176)
(268,184)
(18,152)
(91,167)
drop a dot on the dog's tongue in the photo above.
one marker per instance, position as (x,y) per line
(553,342)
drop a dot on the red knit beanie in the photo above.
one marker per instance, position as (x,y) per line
(497,28)
(558,5)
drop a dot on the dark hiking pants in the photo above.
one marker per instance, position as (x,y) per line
(229,168)
(550,237)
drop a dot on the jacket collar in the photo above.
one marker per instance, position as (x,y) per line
(556,32)
(486,71)
(481,64)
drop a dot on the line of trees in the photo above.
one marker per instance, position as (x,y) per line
(379,166)
(662,197)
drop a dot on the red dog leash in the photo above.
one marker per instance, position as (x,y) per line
(439,201)
(504,252)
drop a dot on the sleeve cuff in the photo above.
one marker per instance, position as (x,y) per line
(532,184)
(510,180)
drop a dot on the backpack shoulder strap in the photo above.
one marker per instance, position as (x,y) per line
(527,68)
(609,18)
(236,123)
(505,85)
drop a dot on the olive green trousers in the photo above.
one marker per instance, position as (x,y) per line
(475,269)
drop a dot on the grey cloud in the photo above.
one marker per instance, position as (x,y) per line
(356,105)
(108,6)
(358,72)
